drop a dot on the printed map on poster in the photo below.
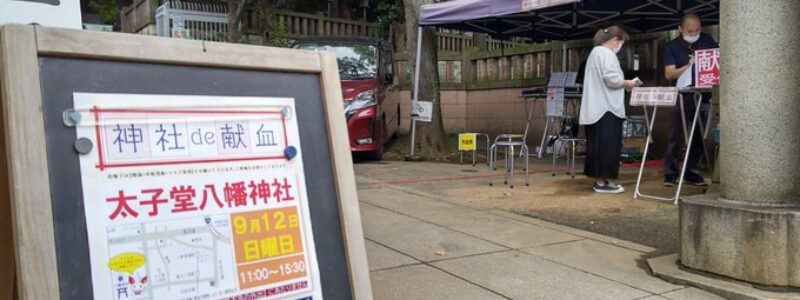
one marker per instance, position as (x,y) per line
(195,197)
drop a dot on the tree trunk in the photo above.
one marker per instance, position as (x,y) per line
(334,9)
(479,41)
(343,11)
(431,137)
(235,8)
(269,9)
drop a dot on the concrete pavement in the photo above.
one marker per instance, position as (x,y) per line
(423,246)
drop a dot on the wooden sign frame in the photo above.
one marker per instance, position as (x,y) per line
(28,190)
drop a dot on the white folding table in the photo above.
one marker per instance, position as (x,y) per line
(666,97)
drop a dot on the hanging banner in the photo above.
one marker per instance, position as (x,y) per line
(706,68)
(528,5)
(195,197)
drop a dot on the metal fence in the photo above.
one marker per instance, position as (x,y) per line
(194,21)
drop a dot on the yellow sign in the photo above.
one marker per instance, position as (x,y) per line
(466,142)
(126,262)
(268,246)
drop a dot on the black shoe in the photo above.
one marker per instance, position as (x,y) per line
(552,141)
(695,180)
(670,180)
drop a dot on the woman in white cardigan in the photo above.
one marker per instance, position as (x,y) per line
(603,109)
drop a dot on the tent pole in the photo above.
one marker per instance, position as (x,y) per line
(563,56)
(416,90)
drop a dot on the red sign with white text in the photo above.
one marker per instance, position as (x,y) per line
(706,71)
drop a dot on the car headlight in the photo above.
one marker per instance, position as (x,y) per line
(362,100)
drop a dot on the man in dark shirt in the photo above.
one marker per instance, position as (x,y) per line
(678,58)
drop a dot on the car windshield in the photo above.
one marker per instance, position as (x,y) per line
(355,61)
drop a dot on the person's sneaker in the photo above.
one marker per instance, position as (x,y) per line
(670,180)
(695,180)
(552,141)
(613,184)
(609,188)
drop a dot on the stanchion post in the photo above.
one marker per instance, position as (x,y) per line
(416,91)
(650,123)
(698,97)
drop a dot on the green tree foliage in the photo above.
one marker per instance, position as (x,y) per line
(388,12)
(277,36)
(108,10)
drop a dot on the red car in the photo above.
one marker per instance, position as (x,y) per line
(365,70)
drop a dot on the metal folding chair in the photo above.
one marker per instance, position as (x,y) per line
(571,157)
(509,141)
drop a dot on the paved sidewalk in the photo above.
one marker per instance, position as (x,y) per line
(423,246)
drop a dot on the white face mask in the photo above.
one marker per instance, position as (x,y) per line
(691,38)
(618,48)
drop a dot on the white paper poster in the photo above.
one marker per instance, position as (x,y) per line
(53,13)
(195,197)
(562,79)
(423,111)
(555,102)
(558,79)
(685,79)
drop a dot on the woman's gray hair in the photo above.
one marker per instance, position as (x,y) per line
(606,34)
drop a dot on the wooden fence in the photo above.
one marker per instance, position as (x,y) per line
(300,25)
(139,17)
(525,65)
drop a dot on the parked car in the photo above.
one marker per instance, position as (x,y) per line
(365,71)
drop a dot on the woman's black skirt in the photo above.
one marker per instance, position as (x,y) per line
(603,147)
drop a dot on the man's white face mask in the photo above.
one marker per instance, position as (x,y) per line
(691,39)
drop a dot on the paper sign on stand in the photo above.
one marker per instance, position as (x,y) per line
(466,142)
(555,102)
(706,69)
(423,111)
(654,96)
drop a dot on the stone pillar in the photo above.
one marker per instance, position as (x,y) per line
(760,155)
(751,231)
